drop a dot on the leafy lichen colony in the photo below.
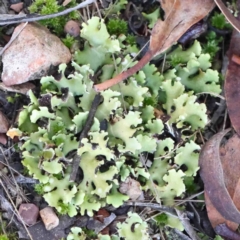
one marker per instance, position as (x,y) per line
(127,137)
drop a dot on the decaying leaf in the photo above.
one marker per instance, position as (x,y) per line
(179,17)
(232,82)
(211,171)
(215,217)
(229,153)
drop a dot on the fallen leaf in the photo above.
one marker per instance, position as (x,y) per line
(232,82)
(101,214)
(231,164)
(211,172)
(215,217)
(227,233)
(179,17)
(230,159)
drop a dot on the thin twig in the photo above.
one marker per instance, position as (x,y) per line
(155,206)
(16,211)
(186,224)
(19,191)
(11,19)
(89,122)
(12,39)
(181,235)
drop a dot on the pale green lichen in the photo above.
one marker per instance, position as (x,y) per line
(49,127)
(139,231)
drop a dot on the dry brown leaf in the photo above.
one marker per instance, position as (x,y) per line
(211,172)
(232,82)
(231,169)
(179,17)
(101,214)
(215,217)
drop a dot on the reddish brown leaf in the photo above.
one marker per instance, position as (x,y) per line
(231,164)
(179,17)
(211,172)
(232,82)
(215,217)
(231,169)
(101,214)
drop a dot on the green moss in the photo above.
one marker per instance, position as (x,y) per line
(68,41)
(90,233)
(213,44)
(218,20)
(117,27)
(130,39)
(4,237)
(39,188)
(45,7)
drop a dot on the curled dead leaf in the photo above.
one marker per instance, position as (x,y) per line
(230,159)
(232,82)
(211,172)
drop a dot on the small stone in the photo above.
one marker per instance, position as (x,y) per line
(72,28)
(29,213)
(49,218)
(17,7)
(131,187)
(31,54)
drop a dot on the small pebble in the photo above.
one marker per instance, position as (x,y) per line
(17,7)
(72,28)
(29,213)
(49,218)
(32,54)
